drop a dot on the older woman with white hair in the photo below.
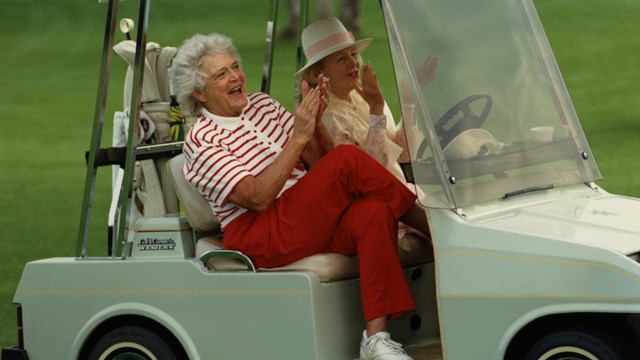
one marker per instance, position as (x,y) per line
(261,167)
(187,72)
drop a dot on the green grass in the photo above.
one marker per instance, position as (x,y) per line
(598,50)
(49,71)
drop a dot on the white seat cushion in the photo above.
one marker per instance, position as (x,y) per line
(328,266)
(196,208)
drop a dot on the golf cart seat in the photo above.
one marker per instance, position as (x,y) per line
(209,249)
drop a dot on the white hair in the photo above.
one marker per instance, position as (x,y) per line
(187,75)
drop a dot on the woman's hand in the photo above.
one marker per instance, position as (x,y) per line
(324,87)
(306,112)
(320,141)
(370,90)
(427,70)
(425,73)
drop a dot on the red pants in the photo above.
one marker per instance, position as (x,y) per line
(347,203)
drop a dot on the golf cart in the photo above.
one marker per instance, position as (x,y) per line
(530,260)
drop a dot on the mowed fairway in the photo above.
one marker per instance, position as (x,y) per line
(48,83)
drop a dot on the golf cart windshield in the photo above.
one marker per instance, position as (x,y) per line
(496,120)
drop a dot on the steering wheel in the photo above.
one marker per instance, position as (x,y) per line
(447,128)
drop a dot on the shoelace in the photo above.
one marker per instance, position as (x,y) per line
(391,345)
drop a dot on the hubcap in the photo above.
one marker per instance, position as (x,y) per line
(127,351)
(567,353)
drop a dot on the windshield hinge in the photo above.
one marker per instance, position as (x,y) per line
(593,186)
(460,213)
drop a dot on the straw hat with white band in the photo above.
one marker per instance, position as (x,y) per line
(325,37)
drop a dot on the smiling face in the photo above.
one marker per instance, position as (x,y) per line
(343,70)
(224,92)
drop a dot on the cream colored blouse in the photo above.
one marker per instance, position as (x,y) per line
(348,123)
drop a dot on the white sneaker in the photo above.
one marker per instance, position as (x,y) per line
(381,347)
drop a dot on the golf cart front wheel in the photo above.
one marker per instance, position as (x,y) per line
(573,345)
(132,343)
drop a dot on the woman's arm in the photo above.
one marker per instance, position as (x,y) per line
(375,144)
(321,142)
(258,192)
(376,141)
(425,73)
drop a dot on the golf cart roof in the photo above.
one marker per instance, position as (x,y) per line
(514,128)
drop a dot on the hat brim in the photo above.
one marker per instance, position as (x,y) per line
(360,45)
(469,143)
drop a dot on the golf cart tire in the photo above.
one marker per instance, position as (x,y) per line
(133,341)
(574,344)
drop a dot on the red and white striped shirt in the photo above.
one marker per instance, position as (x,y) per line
(221,151)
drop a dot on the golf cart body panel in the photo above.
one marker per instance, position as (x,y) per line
(498,273)
(525,244)
(173,293)
(282,315)
(598,220)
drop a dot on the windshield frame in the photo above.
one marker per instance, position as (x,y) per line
(447,178)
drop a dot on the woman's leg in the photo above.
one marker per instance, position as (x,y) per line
(304,219)
(377,325)
(416,217)
(369,230)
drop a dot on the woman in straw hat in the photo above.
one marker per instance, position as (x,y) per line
(357,112)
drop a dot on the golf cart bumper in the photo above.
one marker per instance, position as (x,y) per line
(14,353)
